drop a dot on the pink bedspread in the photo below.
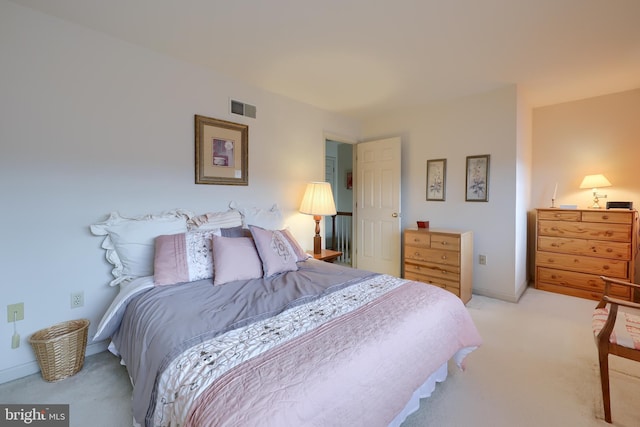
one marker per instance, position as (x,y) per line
(359,369)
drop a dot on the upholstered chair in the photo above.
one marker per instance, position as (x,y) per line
(616,328)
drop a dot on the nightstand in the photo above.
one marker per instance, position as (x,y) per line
(326,255)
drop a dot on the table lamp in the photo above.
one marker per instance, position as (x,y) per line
(594,182)
(318,201)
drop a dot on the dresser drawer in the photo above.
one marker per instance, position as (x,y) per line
(609,217)
(581,293)
(439,256)
(417,238)
(433,271)
(591,265)
(582,230)
(445,241)
(596,248)
(436,281)
(587,282)
(558,215)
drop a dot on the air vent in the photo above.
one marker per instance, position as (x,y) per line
(242,109)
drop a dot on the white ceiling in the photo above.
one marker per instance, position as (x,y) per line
(362,57)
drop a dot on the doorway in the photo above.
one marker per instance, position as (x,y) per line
(338,230)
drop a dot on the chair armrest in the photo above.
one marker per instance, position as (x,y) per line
(620,282)
(608,281)
(621,302)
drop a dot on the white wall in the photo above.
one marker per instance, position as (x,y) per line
(585,137)
(590,136)
(524,164)
(481,124)
(90,124)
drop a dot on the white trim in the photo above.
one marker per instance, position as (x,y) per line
(30,368)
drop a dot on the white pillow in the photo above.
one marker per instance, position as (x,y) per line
(215,220)
(130,241)
(112,318)
(269,219)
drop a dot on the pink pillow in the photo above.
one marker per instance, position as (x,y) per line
(275,251)
(183,257)
(235,258)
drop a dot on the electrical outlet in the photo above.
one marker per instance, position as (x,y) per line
(77,299)
(482,259)
(17,309)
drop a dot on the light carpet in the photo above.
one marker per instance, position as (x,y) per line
(538,367)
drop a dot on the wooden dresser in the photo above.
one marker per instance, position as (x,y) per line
(575,247)
(440,257)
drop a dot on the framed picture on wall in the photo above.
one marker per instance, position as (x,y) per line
(222,152)
(436,179)
(477,178)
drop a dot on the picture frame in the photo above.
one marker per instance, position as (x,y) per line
(221,152)
(436,179)
(348,181)
(477,180)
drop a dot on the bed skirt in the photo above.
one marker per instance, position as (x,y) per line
(422,392)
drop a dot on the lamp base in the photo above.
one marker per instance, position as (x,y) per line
(596,200)
(317,239)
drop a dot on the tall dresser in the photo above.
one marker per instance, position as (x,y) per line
(575,247)
(440,257)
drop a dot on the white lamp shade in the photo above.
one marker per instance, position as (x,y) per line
(318,199)
(595,181)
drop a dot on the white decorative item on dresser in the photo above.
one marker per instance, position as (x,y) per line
(575,247)
(440,257)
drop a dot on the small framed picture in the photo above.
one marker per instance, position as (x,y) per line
(436,179)
(477,178)
(222,152)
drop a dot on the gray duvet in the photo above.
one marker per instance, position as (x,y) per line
(163,322)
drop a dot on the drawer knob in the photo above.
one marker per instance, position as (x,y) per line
(444,257)
(444,271)
(444,243)
(416,254)
(605,216)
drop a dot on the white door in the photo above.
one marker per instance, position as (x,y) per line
(378,166)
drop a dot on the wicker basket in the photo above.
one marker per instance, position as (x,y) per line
(60,349)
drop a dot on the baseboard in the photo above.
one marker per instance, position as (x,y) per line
(495,295)
(30,368)
(502,296)
(521,290)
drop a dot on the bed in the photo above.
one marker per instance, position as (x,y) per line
(251,331)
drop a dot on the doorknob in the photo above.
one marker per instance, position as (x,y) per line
(395,215)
